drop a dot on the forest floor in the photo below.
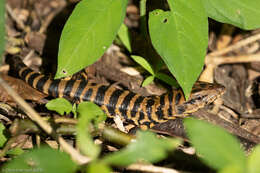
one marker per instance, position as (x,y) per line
(33,32)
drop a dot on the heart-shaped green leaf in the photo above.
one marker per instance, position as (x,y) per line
(60,105)
(180,36)
(88,33)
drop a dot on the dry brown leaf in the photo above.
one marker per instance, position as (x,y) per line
(23,89)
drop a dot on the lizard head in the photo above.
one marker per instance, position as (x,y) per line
(202,94)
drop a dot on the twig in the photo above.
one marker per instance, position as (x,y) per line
(116,136)
(230,111)
(26,107)
(26,126)
(152,168)
(235,46)
(29,55)
(2,117)
(212,62)
(112,135)
(65,120)
(13,15)
(33,115)
(7,146)
(217,60)
(214,59)
(13,143)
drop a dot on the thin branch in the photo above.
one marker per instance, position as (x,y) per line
(14,17)
(217,60)
(33,115)
(152,168)
(212,62)
(236,46)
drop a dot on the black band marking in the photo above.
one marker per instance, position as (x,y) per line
(68,87)
(54,88)
(149,105)
(125,103)
(113,101)
(159,111)
(180,109)
(41,83)
(80,89)
(99,99)
(141,117)
(136,105)
(170,97)
(87,95)
(32,77)
(177,98)
(25,73)
(148,124)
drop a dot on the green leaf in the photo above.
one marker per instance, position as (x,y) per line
(124,36)
(2,28)
(146,147)
(43,159)
(231,169)
(15,151)
(241,13)
(94,112)
(2,136)
(167,79)
(147,81)
(218,148)
(180,36)
(88,33)
(145,64)
(253,160)
(87,113)
(98,167)
(60,105)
